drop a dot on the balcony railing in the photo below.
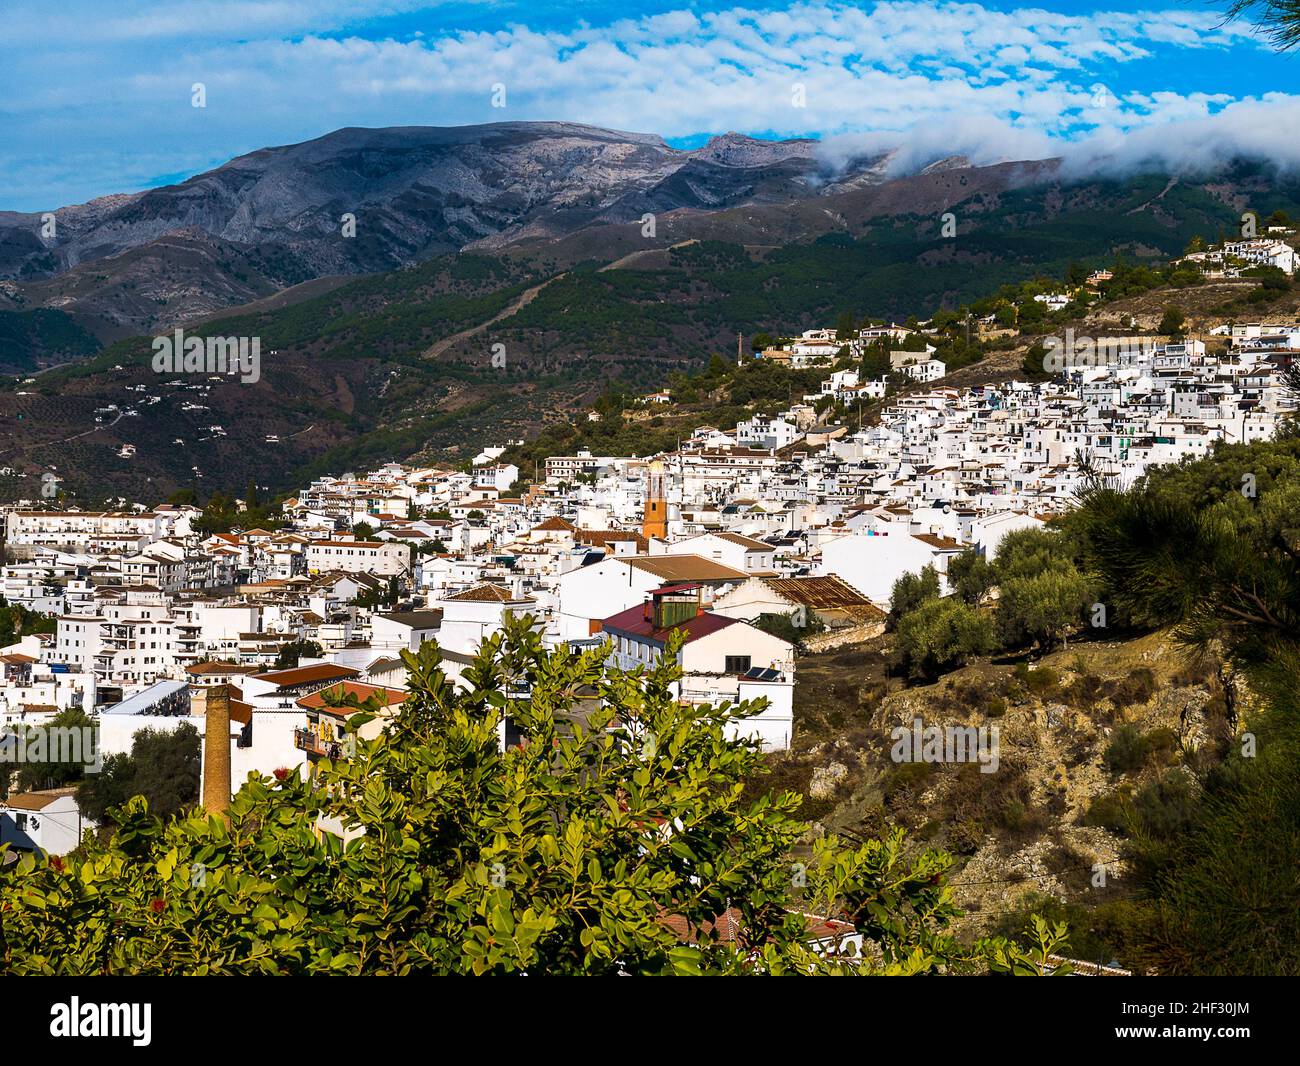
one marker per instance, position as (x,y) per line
(306,740)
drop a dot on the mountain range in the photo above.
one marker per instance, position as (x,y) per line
(360,201)
(591,256)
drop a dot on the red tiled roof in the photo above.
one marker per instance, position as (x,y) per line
(602,537)
(486,593)
(634,623)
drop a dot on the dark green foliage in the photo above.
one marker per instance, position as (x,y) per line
(30,339)
(1171,322)
(1042,593)
(970,576)
(163,766)
(17,621)
(1043,682)
(1280,19)
(295,650)
(911,591)
(1167,807)
(1128,750)
(221,514)
(40,775)
(940,635)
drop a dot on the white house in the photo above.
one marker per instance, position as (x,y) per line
(929,370)
(382,558)
(871,563)
(1262,251)
(762,431)
(48,821)
(722,659)
(403,629)
(591,593)
(471,616)
(731,549)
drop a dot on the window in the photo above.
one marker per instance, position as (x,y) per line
(737,664)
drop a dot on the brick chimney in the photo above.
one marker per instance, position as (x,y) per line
(216,751)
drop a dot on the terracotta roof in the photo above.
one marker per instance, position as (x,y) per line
(673,568)
(555,525)
(316,701)
(37,801)
(414,619)
(601,537)
(748,543)
(305,675)
(486,593)
(217,666)
(944,543)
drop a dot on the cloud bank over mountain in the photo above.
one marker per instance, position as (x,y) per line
(104,104)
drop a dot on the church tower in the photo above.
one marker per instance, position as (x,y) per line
(654,522)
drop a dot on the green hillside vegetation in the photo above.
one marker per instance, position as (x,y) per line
(1208,550)
(41,336)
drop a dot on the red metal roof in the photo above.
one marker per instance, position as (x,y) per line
(633,623)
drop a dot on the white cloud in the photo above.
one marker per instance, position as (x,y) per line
(943,77)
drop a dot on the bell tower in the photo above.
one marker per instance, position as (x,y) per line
(654,522)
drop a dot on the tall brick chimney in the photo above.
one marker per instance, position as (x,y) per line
(216,751)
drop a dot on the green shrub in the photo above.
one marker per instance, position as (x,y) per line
(1126,751)
(940,635)
(1166,808)
(1138,687)
(1113,811)
(1044,682)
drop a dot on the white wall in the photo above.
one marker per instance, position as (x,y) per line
(872,564)
(55,829)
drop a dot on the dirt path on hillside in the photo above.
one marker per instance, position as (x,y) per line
(633,256)
(517,304)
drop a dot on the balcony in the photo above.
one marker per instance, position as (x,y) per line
(310,742)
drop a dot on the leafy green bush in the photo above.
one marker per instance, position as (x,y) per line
(1043,681)
(560,856)
(1166,808)
(1113,811)
(941,635)
(1127,751)
(910,591)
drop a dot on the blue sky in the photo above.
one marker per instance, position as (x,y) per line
(96,96)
